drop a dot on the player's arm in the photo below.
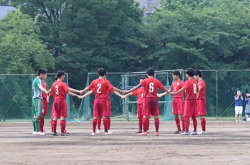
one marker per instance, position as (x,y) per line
(48,92)
(166,91)
(42,88)
(118,94)
(72,94)
(118,90)
(236,98)
(87,94)
(74,90)
(84,90)
(133,89)
(129,94)
(179,91)
(163,94)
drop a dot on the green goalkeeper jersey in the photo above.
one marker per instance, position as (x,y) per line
(37,93)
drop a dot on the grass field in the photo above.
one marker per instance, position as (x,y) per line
(227,142)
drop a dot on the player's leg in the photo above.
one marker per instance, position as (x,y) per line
(139,117)
(96,111)
(146,116)
(63,125)
(35,110)
(177,122)
(193,104)
(99,121)
(182,123)
(187,115)
(57,115)
(44,112)
(40,107)
(154,109)
(65,114)
(236,113)
(175,105)
(240,112)
(157,124)
(201,108)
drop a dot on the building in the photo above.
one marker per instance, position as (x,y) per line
(5,6)
(148,6)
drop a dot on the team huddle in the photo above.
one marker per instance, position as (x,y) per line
(146,92)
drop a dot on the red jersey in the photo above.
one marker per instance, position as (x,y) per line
(139,92)
(202,93)
(191,88)
(44,95)
(176,86)
(59,90)
(101,88)
(150,86)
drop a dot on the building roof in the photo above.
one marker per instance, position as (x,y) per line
(4,10)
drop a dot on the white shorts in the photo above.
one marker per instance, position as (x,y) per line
(238,110)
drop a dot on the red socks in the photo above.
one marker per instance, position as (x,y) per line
(194,123)
(109,123)
(41,124)
(203,124)
(105,123)
(183,123)
(62,124)
(140,124)
(54,126)
(145,124)
(187,122)
(157,123)
(99,120)
(51,125)
(94,124)
(177,121)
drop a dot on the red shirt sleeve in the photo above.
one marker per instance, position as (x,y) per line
(91,86)
(135,92)
(172,87)
(160,86)
(143,83)
(111,90)
(186,85)
(65,87)
(110,86)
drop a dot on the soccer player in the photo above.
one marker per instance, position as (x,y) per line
(190,109)
(37,98)
(101,87)
(201,100)
(139,93)
(150,100)
(60,89)
(45,107)
(177,103)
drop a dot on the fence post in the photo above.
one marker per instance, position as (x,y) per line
(217,110)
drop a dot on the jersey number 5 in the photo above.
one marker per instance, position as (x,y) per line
(99,87)
(57,92)
(151,87)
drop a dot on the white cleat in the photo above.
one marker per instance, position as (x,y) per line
(109,131)
(98,131)
(41,133)
(202,133)
(93,134)
(34,133)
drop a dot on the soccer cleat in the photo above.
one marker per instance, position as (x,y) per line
(34,133)
(143,134)
(64,134)
(139,131)
(202,133)
(156,133)
(93,134)
(181,132)
(41,133)
(176,132)
(98,131)
(55,134)
(109,131)
(185,133)
(194,133)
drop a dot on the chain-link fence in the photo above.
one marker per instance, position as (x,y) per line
(16,96)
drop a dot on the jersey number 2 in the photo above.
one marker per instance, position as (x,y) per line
(99,87)
(151,87)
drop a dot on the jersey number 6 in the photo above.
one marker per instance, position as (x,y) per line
(151,87)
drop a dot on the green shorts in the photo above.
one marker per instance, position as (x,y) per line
(37,107)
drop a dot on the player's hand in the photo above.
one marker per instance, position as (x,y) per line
(80,92)
(126,92)
(172,93)
(80,97)
(159,95)
(47,99)
(123,97)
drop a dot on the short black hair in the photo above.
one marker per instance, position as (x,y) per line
(41,71)
(190,72)
(176,72)
(60,73)
(197,72)
(55,78)
(142,77)
(150,72)
(101,72)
